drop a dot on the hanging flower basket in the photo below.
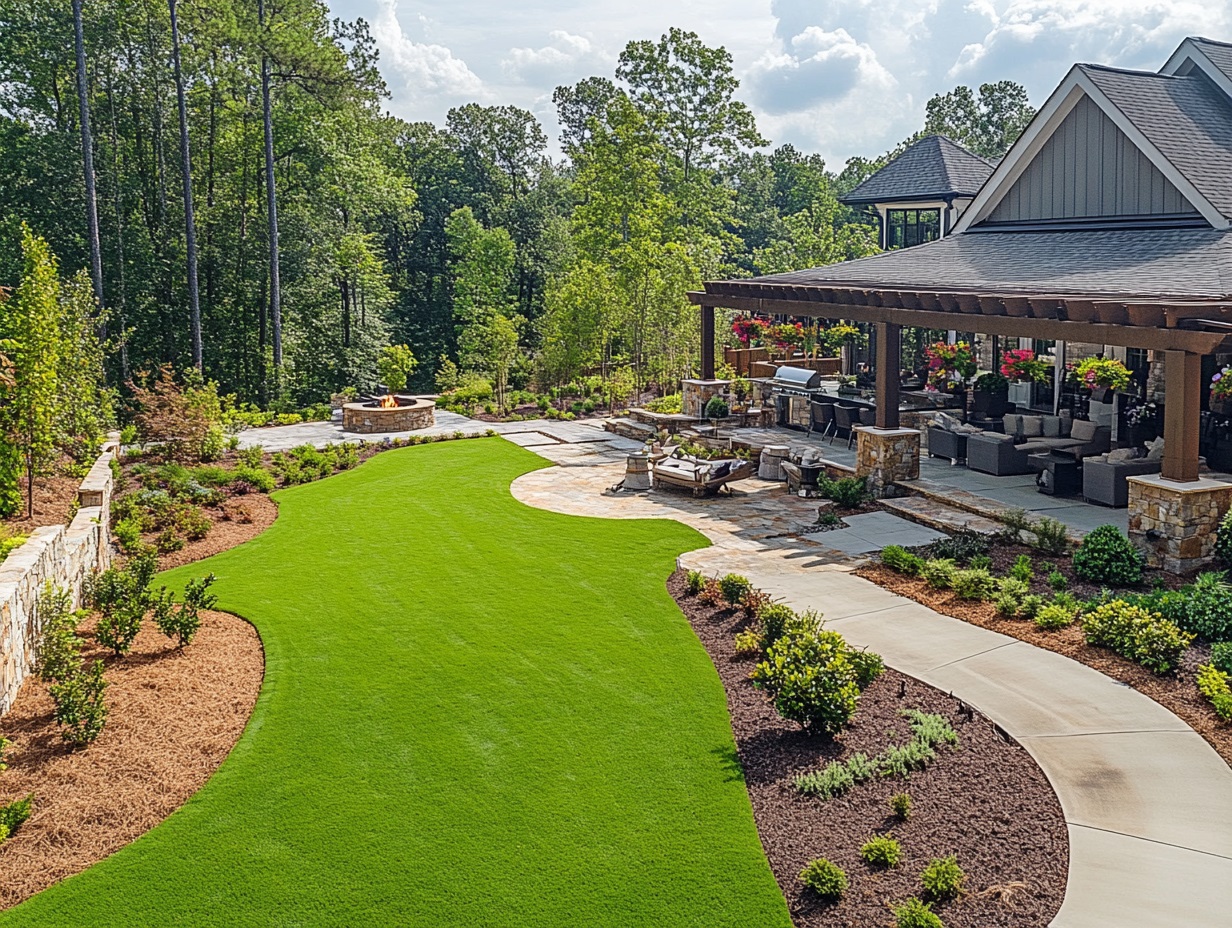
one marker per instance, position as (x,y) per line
(950,366)
(1103,375)
(1022,365)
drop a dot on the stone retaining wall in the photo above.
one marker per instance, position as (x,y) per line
(62,555)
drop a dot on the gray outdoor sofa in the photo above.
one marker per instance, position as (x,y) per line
(1007,454)
(1108,483)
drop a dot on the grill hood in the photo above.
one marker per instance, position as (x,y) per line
(796,378)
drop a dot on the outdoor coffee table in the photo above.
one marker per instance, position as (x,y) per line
(1059,474)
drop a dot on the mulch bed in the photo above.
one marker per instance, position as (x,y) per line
(54,498)
(173,718)
(984,801)
(1177,693)
(239,519)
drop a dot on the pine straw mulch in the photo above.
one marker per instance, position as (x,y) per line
(1178,693)
(237,520)
(985,801)
(54,498)
(173,718)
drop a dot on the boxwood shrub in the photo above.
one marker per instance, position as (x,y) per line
(825,879)
(1107,556)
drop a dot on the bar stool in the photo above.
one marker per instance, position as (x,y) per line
(821,418)
(844,416)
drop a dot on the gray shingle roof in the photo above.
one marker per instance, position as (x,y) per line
(1186,118)
(1219,54)
(932,168)
(1188,264)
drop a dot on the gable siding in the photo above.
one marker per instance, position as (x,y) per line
(1088,169)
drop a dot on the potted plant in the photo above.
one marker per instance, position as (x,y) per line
(950,366)
(1221,389)
(786,337)
(1102,376)
(990,395)
(1025,370)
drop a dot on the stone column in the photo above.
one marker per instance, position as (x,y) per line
(1175,522)
(886,456)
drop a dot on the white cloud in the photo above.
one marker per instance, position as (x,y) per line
(565,58)
(427,68)
(815,67)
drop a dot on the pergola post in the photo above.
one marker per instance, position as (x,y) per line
(1182,415)
(707,343)
(889,359)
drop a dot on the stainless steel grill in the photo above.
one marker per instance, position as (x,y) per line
(797,380)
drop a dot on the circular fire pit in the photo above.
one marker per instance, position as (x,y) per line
(398,414)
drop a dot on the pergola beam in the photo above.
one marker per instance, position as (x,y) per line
(1122,336)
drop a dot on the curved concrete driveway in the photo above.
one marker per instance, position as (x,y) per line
(1147,801)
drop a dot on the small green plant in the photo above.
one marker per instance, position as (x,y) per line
(899,559)
(900,805)
(861,767)
(901,759)
(694,580)
(127,534)
(1051,536)
(1223,540)
(974,583)
(14,814)
(981,562)
(182,621)
(939,573)
(1054,616)
(1107,556)
(716,408)
(942,878)
(747,643)
(1221,656)
(915,914)
(60,646)
(1213,684)
(827,880)
(734,587)
(1030,606)
(960,547)
(1137,634)
(1057,581)
(80,710)
(930,728)
(1016,521)
(252,456)
(249,479)
(829,782)
(882,851)
(1022,569)
(194,523)
(846,492)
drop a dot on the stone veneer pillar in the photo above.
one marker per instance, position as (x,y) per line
(886,456)
(1175,521)
(695,394)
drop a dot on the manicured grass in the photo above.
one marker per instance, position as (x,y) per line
(474,714)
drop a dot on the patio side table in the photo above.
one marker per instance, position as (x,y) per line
(771,464)
(1059,475)
(637,471)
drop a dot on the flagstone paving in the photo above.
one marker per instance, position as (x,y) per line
(1148,803)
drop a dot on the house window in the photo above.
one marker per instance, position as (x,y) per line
(907,227)
(1043,346)
(1136,359)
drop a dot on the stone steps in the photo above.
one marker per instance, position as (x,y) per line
(937,515)
(942,495)
(629,428)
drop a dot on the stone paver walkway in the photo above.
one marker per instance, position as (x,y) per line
(1147,802)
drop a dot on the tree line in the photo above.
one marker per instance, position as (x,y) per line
(228,176)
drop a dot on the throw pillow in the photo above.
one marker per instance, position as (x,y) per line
(1121,455)
(1155,451)
(720,470)
(1032,426)
(1052,426)
(1083,430)
(945,421)
(1013,424)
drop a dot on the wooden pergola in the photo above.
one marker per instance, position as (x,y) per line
(1185,331)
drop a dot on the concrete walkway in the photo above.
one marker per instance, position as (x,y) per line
(1147,802)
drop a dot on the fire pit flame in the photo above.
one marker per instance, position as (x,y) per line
(388,401)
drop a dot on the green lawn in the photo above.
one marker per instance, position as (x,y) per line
(474,714)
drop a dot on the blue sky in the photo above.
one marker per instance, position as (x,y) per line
(840,77)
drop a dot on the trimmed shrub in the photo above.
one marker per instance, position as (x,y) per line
(716,408)
(939,572)
(900,805)
(734,588)
(846,492)
(961,547)
(60,646)
(882,851)
(694,580)
(942,878)
(974,584)
(1031,605)
(1221,656)
(824,878)
(1054,616)
(1213,684)
(1057,581)
(899,559)
(812,677)
(1206,607)
(1107,556)
(774,618)
(1141,636)
(1051,536)
(753,602)
(915,914)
